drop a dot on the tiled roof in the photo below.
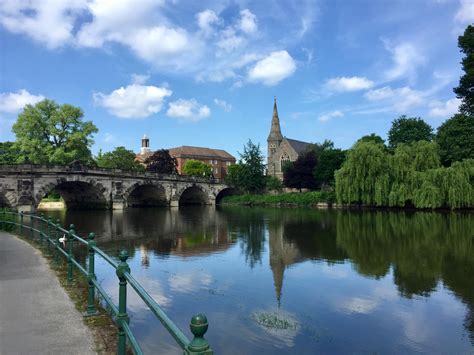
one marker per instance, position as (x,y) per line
(298,146)
(199,152)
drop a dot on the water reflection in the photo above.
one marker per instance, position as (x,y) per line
(367,264)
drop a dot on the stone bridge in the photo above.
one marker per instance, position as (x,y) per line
(24,186)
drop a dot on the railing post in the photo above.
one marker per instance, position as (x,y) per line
(48,237)
(2,215)
(122,316)
(70,241)
(41,229)
(91,310)
(21,222)
(58,243)
(199,344)
(32,227)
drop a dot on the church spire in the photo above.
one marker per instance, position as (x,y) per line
(275,131)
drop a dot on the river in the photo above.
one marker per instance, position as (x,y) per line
(296,281)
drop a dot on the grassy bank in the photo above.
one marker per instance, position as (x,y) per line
(284,199)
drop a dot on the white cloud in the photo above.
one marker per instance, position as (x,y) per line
(224,105)
(248,21)
(328,116)
(406,58)
(400,99)
(140,79)
(206,19)
(13,102)
(353,83)
(139,26)
(465,14)
(272,69)
(133,101)
(50,22)
(188,110)
(446,109)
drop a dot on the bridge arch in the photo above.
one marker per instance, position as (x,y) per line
(77,194)
(226,191)
(193,195)
(145,194)
(4,202)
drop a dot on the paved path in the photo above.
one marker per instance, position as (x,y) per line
(36,314)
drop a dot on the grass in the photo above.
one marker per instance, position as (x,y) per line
(311,198)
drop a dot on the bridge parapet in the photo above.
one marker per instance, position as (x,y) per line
(23,187)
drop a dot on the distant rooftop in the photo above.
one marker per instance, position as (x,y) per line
(201,152)
(298,146)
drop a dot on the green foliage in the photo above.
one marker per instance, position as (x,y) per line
(272,183)
(465,90)
(330,160)
(8,153)
(300,173)
(119,158)
(293,198)
(161,162)
(197,168)
(364,176)
(412,176)
(408,130)
(248,174)
(48,133)
(456,139)
(372,138)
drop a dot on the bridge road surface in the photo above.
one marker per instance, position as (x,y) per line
(36,314)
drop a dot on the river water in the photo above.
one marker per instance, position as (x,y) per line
(296,281)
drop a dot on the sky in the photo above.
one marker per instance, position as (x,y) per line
(205,73)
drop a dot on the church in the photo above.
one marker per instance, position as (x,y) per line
(281,150)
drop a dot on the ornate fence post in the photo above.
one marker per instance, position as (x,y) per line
(32,227)
(48,237)
(199,344)
(122,316)
(70,241)
(21,222)
(40,228)
(91,310)
(58,243)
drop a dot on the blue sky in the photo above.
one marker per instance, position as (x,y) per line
(204,73)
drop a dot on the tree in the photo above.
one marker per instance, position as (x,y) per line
(248,174)
(8,153)
(329,161)
(197,168)
(161,162)
(465,90)
(364,178)
(407,130)
(119,158)
(300,173)
(48,133)
(273,183)
(372,138)
(456,139)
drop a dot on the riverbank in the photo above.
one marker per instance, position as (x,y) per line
(38,315)
(318,199)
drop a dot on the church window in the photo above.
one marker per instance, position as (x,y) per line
(285,159)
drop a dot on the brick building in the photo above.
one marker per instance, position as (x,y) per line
(218,159)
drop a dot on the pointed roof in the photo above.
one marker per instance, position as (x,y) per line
(298,146)
(275,131)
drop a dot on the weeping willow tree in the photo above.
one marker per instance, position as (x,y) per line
(365,175)
(411,176)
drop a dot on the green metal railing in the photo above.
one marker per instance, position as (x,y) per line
(61,242)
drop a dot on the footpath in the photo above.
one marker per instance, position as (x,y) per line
(36,314)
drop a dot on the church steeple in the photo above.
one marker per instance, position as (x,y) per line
(275,131)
